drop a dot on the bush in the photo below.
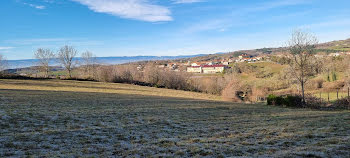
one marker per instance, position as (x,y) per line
(271,99)
(105,74)
(315,84)
(279,100)
(319,83)
(15,76)
(314,102)
(295,101)
(335,85)
(343,103)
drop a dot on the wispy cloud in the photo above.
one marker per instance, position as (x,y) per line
(35,41)
(186,1)
(35,6)
(276,4)
(53,42)
(6,48)
(220,25)
(131,9)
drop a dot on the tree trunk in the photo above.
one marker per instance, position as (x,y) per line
(69,73)
(47,73)
(303,92)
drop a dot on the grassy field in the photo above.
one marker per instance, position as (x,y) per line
(52,118)
(332,95)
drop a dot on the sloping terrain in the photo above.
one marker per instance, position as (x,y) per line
(328,47)
(340,45)
(54,118)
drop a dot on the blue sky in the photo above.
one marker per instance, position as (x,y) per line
(164,27)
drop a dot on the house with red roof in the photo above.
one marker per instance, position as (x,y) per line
(207,69)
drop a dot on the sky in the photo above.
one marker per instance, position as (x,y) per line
(164,27)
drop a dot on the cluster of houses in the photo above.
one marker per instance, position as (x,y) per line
(214,66)
(206,67)
(219,66)
(248,58)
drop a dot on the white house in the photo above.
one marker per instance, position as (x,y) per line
(207,69)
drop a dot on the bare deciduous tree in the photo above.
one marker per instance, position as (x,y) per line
(44,57)
(89,63)
(152,74)
(65,56)
(2,63)
(302,48)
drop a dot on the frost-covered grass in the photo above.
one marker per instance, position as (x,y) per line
(68,118)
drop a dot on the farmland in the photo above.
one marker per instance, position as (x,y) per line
(49,118)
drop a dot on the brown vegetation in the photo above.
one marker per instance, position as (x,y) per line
(44,56)
(65,56)
(301,47)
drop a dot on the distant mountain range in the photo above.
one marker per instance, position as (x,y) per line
(14,64)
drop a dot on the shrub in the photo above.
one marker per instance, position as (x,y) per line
(314,102)
(343,103)
(319,83)
(295,101)
(105,74)
(279,101)
(271,99)
(15,76)
(335,85)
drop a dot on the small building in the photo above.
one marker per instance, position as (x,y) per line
(225,63)
(194,69)
(244,55)
(210,63)
(195,64)
(209,69)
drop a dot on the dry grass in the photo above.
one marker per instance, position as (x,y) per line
(99,87)
(68,118)
(332,95)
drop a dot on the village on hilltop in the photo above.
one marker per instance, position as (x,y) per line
(213,66)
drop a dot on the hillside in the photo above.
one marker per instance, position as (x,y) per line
(52,118)
(333,46)
(340,45)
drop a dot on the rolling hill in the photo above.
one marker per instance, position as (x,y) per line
(53,118)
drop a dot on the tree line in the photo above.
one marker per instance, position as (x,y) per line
(66,57)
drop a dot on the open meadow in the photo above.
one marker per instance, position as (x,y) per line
(54,118)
